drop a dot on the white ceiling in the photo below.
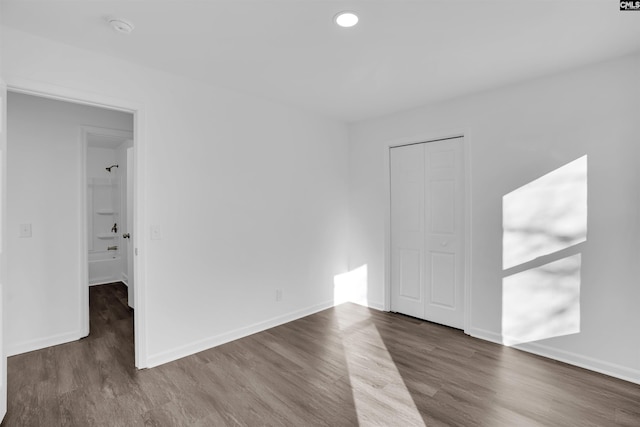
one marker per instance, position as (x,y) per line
(401,55)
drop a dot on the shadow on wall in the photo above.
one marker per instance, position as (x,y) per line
(544,228)
(351,286)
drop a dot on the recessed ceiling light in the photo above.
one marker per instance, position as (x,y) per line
(121,25)
(346,19)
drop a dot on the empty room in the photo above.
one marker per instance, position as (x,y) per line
(320,213)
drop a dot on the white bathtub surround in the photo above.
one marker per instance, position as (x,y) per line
(104,267)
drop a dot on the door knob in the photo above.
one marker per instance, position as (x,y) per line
(126,235)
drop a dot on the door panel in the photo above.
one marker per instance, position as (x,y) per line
(407,225)
(410,280)
(427,208)
(443,236)
(442,268)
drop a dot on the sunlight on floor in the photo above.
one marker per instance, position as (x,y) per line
(351,286)
(543,218)
(381,396)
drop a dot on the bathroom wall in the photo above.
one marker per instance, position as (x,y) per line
(44,156)
(103,187)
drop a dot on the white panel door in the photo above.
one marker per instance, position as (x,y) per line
(3,211)
(427,260)
(129,231)
(407,229)
(443,258)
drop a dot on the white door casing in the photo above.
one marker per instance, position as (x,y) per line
(427,231)
(3,216)
(130,229)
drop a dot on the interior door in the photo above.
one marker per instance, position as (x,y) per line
(3,216)
(444,258)
(129,231)
(427,235)
(407,229)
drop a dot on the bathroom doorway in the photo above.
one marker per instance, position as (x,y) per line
(50,294)
(109,164)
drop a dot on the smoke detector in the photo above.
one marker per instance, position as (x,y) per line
(121,25)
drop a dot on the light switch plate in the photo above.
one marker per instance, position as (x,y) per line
(156,233)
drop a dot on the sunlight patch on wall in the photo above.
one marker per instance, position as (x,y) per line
(544,223)
(542,302)
(351,286)
(545,215)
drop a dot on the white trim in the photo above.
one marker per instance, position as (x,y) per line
(374,305)
(485,335)
(590,363)
(106,282)
(419,139)
(214,341)
(40,343)
(3,238)
(52,91)
(84,247)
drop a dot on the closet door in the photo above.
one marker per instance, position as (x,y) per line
(427,265)
(407,229)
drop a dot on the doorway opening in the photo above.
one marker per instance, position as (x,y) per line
(56,137)
(109,169)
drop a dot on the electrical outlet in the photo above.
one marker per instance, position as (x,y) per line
(278,295)
(156,233)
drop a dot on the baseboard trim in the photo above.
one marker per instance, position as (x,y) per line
(485,335)
(40,343)
(570,358)
(107,282)
(207,343)
(590,363)
(375,305)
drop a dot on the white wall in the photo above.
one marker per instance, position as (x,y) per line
(515,135)
(249,195)
(44,158)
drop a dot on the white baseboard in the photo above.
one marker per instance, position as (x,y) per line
(40,343)
(105,282)
(486,335)
(371,304)
(590,363)
(207,343)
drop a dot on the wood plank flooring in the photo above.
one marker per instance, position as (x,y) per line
(345,366)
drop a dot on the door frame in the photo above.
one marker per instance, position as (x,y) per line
(3,252)
(421,139)
(138,109)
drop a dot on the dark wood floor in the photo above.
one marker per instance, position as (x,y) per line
(345,366)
